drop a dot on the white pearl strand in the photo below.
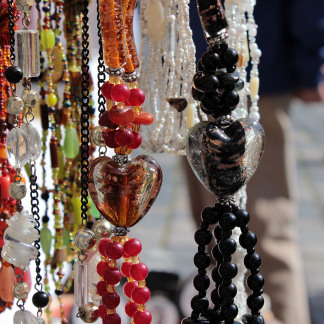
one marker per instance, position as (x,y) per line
(173,79)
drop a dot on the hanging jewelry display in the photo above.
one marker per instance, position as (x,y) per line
(168,65)
(223,154)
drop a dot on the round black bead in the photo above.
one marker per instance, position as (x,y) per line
(216,253)
(243,217)
(239,85)
(227,221)
(231,69)
(199,303)
(51,110)
(255,282)
(227,270)
(58,292)
(45,195)
(92,111)
(45,219)
(203,237)
(196,94)
(227,246)
(40,299)
(229,312)
(14,74)
(207,112)
(200,66)
(210,100)
(202,260)
(227,291)
(229,57)
(253,319)
(210,61)
(228,80)
(201,283)
(230,99)
(248,240)
(190,320)
(205,81)
(218,233)
(210,215)
(255,303)
(214,316)
(215,297)
(252,261)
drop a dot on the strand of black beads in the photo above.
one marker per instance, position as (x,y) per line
(252,261)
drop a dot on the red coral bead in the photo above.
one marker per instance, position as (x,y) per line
(125,268)
(141,295)
(133,247)
(144,317)
(101,288)
(129,287)
(102,246)
(114,250)
(112,276)
(136,142)
(123,137)
(101,267)
(102,311)
(109,139)
(105,121)
(111,300)
(106,89)
(139,271)
(143,118)
(136,97)
(111,319)
(130,309)
(120,92)
(121,116)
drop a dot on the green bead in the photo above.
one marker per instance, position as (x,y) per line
(71,142)
(48,38)
(46,240)
(76,203)
(52,100)
(66,240)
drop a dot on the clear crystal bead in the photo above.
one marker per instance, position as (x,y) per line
(25,317)
(81,284)
(17,148)
(34,140)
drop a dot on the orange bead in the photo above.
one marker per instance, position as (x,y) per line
(144,118)
(3,153)
(5,183)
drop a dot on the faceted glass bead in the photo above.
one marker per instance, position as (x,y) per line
(17,190)
(30,98)
(71,142)
(46,240)
(25,317)
(21,290)
(84,239)
(15,105)
(34,140)
(124,193)
(17,148)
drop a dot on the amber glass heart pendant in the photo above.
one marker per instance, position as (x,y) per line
(124,193)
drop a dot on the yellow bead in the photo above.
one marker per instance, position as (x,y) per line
(52,100)
(48,38)
(254,86)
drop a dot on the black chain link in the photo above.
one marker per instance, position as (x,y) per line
(11,31)
(85,123)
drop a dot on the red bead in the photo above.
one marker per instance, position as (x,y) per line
(114,250)
(143,118)
(112,276)
(123,137)
(103,246)
(106,90)
(133,247)
(5,184)
(101,267)
(111,300)
(136,97)
(111,319)
(130,309)
(141,295)
(121,116)
(120,92)
(136,142)
(102,311)
(105,121)
(129,287)
(139,271)
(125,267)
(109,139)
(101,288)
(144,317)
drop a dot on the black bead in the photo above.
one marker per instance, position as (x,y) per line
(253,319)
(45,219)
(210,61)
(199,303)
(201,283)
(243,217)
(205,81)
(229,312)
(200,66)
(190,320)
(252,261)
(228,80)
(40,299)
(214,316)
(255,282)
(203,237)
(215,297)
(229,57)
(227,221)
(255,303)
(230,99)
(14,74)
(216,253)
(248,240)
(218,233)
(228,270)
(202,260)
(51,110)
(210,215)
(239,85)
(207,112)
(196,94)
(210,100)
(58,292)
(92,111)
(230,69)
(227,246)
(227,291)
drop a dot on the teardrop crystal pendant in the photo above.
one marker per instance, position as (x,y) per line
(17,148)
(25,317)
(34,140)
